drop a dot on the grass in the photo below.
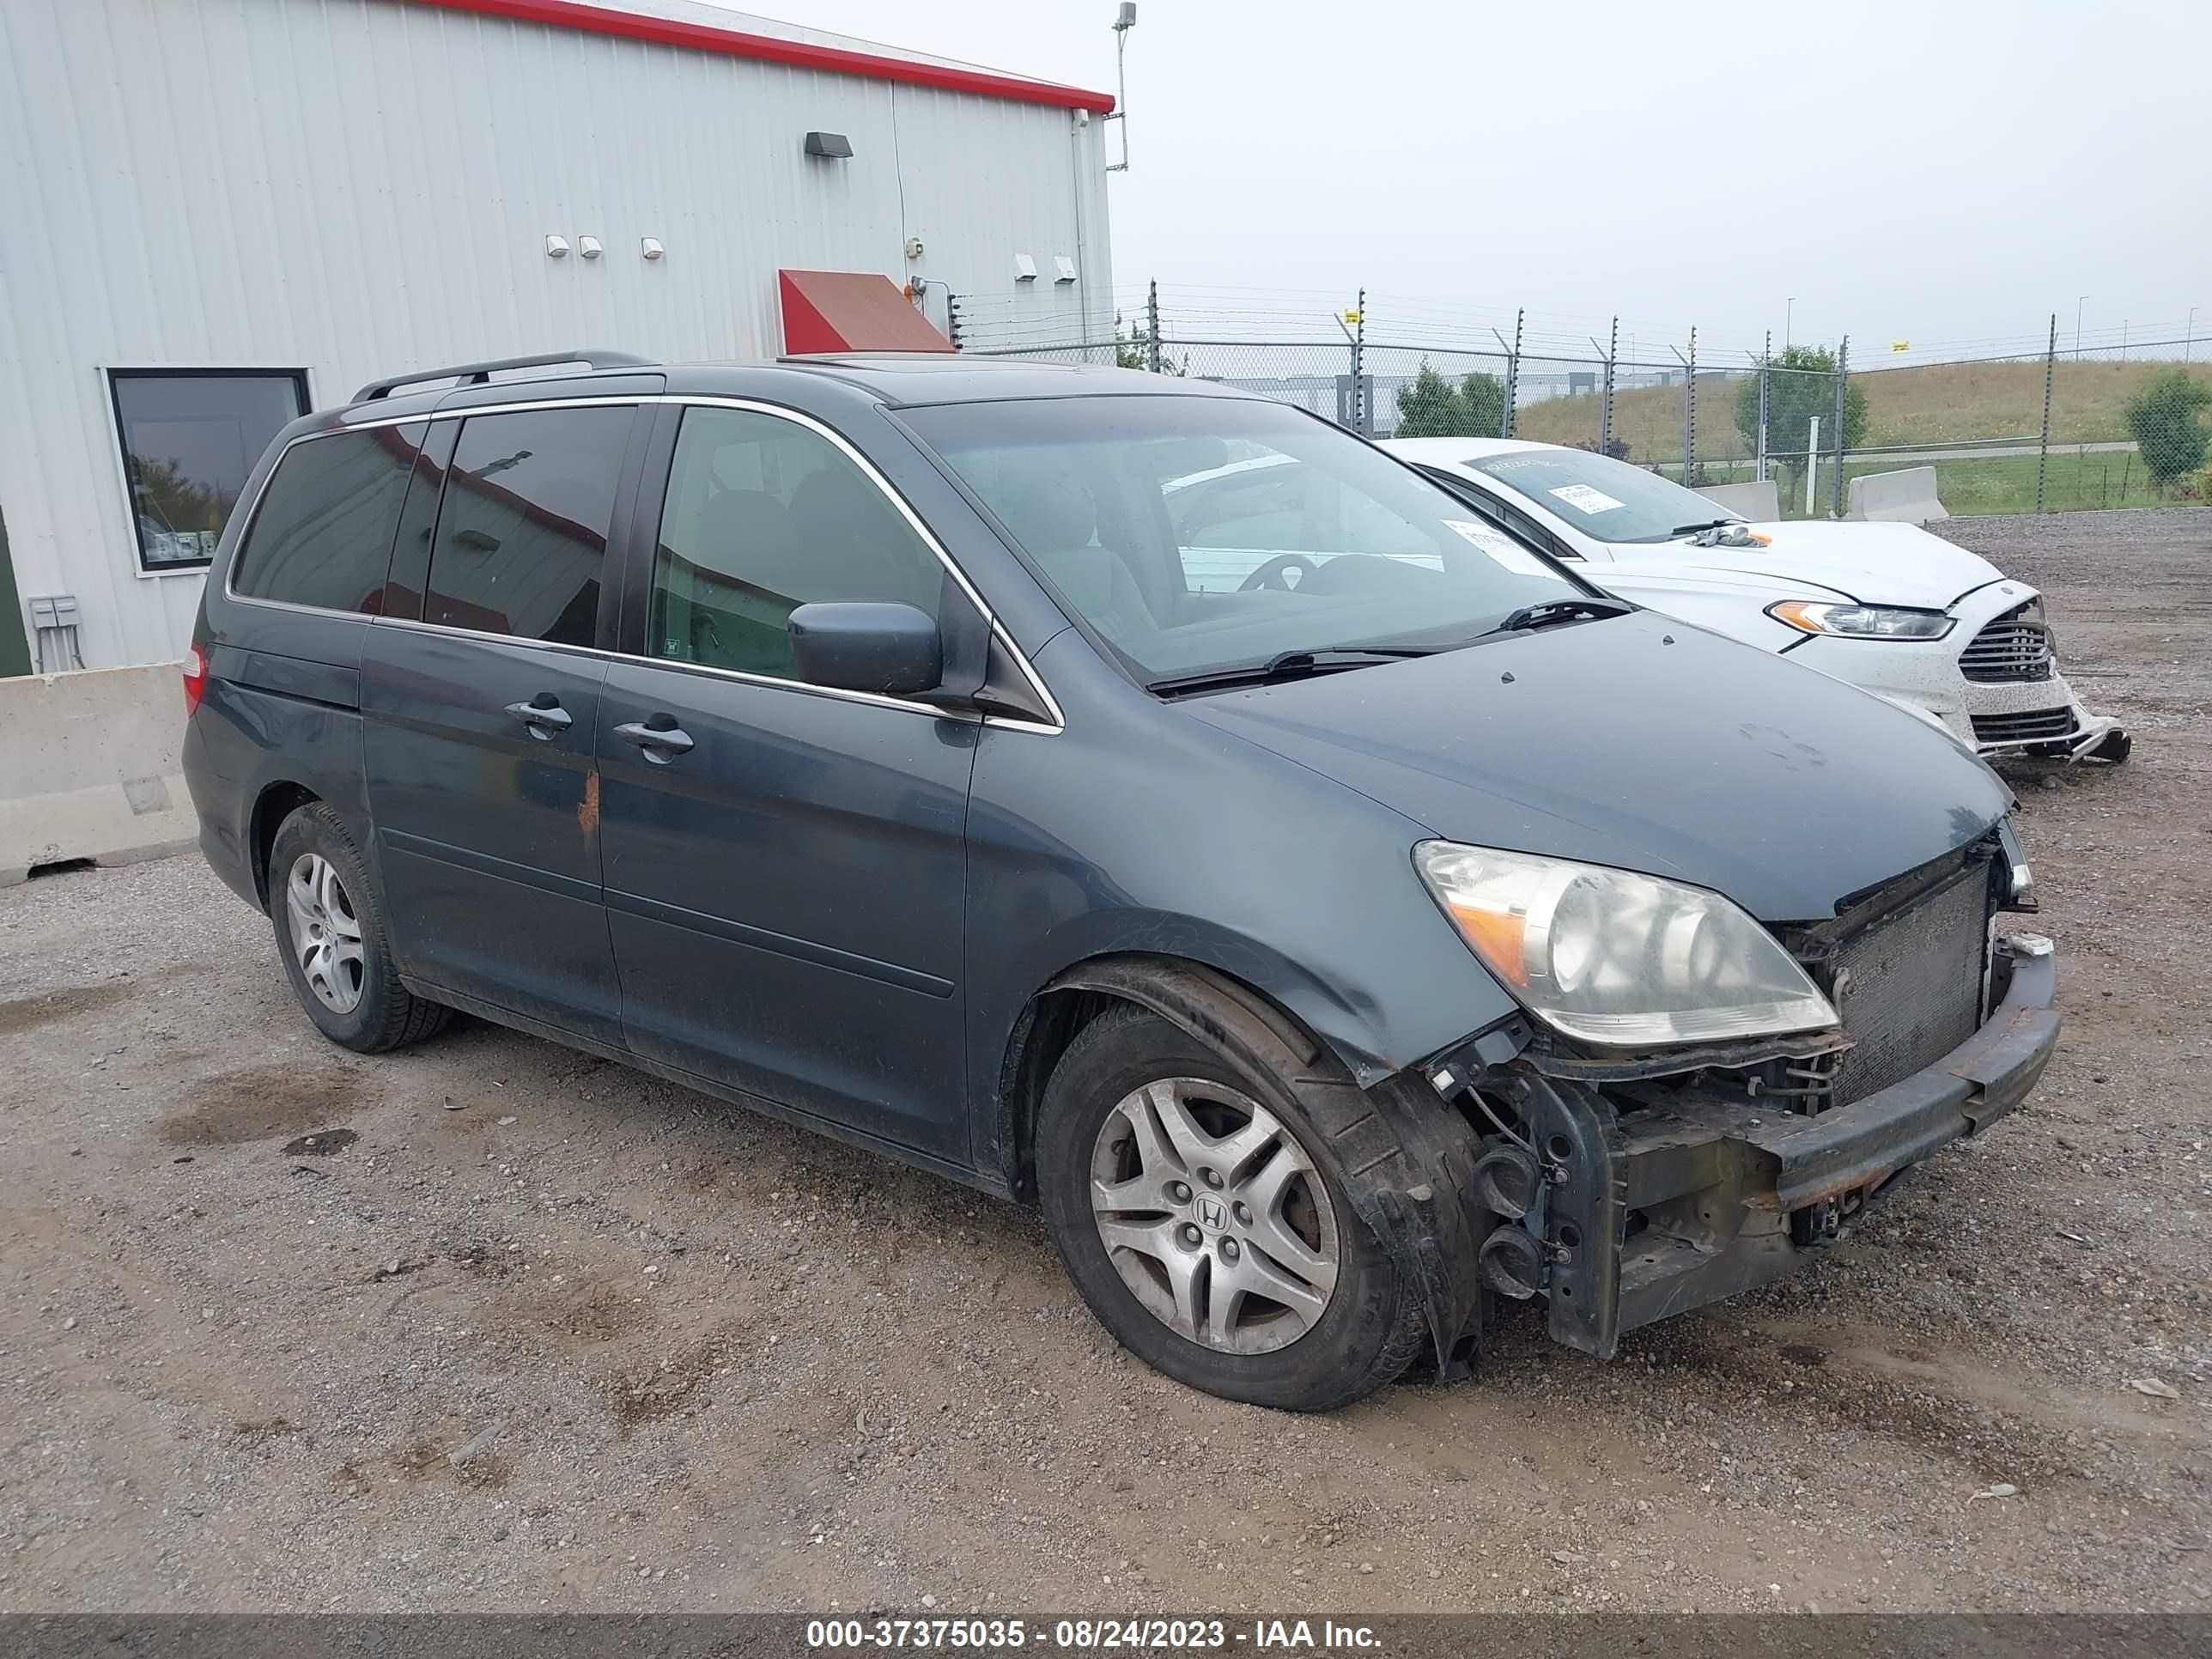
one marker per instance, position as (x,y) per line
(1936,403)
(2000,485)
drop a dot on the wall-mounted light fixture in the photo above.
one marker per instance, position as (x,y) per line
(651,247)
(829,146)
(588,247)
(556,247)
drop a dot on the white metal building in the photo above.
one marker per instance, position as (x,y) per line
(217,213)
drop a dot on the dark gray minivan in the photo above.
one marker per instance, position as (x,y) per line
(1334,915)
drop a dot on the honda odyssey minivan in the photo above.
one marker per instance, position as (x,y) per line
(1329,955)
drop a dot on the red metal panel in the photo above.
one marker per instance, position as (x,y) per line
(851,311)
(770,49)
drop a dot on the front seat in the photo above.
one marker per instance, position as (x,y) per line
(1053,518)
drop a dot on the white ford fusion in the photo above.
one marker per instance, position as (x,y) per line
(1907,616)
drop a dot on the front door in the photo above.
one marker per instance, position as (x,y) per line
(785,866)
(481,701)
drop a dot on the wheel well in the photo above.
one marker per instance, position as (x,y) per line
(1191,995)
(275,804)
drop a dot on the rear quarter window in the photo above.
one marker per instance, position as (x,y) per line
(322,535)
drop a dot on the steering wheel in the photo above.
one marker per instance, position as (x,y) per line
(1284,574)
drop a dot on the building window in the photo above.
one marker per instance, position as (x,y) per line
(190,438)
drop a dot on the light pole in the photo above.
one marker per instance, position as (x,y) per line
(1788,310)
(2077,329)
(2188,335)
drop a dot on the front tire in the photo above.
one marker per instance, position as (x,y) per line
(331,937)
(1205,1222)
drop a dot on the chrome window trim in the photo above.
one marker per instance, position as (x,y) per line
(998,631)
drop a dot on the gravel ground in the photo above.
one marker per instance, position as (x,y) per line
(491,1324)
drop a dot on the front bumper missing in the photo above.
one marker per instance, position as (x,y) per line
(1659,1208)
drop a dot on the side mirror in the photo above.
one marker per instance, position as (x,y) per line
(893,650)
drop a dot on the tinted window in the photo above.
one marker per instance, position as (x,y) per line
(189,440)
(763,515)
(522,532)
(322,535)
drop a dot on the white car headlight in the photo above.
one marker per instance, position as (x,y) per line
(1861,622)
(1612,957)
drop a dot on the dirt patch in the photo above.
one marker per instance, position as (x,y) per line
(258,1103)
(324,1143)
(595,1309)
(484,1260)
(646,1396)
(28,1013)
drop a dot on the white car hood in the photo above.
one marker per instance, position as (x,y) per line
(1874,563)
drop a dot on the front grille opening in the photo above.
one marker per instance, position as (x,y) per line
(1908,985)
(2008,651)
(2040,725)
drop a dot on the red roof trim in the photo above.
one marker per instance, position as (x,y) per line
(770,49)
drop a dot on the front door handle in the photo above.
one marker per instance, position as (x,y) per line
(661,744)
(543,715)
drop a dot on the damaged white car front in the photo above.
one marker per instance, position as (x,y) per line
(1927,625)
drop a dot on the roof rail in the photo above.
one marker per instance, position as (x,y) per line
(481,373)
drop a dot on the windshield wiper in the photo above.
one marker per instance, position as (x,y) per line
(1694,529)
(1559,611)
(1293,665)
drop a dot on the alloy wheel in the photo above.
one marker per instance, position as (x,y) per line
(1214,1216)
(326,933)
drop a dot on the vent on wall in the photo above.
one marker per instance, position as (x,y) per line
(829,146)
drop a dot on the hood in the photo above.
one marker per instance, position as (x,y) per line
(1699,759)
(1874,563)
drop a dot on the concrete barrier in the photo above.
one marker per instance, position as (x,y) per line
(1906,496)
(1759,503)
(89,769)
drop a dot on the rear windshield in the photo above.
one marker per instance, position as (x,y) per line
(322,535)
(1607,500)
(1197,534)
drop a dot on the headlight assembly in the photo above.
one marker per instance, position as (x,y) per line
(1615,958)
(1861,622)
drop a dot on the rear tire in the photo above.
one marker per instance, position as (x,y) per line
(331,938)
(1174,1141)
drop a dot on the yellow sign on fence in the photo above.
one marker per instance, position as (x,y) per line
(1900,345)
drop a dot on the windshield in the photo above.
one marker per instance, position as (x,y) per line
(1205,534)
(1607,500)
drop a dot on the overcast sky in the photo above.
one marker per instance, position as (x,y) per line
(1937,171)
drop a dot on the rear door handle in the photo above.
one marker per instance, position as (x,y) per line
(545,720)
(661,744)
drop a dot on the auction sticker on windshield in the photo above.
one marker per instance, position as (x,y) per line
(1581,496)
(1501,547)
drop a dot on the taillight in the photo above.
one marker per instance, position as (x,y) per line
(195,679)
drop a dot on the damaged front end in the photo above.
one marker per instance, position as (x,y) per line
(1624,1188)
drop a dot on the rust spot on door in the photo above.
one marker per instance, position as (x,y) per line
(588,809)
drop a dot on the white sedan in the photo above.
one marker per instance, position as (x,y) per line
(1907,616)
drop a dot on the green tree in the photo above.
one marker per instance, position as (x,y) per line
(1428,408)
(1431,406)
(2162,419)
(1133,349)
(1482,405)
(1802,385)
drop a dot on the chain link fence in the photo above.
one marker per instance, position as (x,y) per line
(2054,426)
